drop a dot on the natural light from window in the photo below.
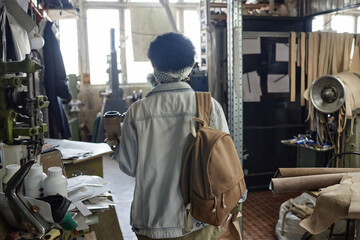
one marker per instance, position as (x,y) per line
(69,45)
(136,71)
(342,23)
(336,23)
(99,23)
(318,23)
(192,30)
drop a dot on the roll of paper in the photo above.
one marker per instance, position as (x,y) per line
(304,183)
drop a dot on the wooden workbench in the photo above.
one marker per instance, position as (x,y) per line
(89,159)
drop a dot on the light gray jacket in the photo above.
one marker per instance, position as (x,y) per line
(150,149)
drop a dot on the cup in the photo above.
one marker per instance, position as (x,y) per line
(112,124)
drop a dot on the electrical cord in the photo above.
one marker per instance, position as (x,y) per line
(338,155)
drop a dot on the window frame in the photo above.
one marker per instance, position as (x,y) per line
(83,47)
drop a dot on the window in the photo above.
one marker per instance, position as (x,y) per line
(318,23)
(99,23)
(136,71)
(192,30)
(69,45)
(343,23)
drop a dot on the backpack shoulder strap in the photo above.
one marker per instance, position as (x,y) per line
(203,106)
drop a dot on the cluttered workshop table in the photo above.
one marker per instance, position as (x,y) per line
(84,160)
(309,152)
(79,158)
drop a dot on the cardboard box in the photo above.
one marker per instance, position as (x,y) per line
(52,159)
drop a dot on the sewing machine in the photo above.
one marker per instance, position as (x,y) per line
(22,129)
(336,101)
(22,126)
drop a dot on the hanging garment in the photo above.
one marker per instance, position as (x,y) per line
(55,81)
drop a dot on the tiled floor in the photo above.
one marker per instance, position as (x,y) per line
(260,211)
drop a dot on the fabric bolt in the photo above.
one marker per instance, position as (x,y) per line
(55,81)
(154,133)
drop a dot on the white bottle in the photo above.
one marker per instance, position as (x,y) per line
(33,181)
(55,183)
(10,170)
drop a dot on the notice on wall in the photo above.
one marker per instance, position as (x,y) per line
(251,46)
(251,87)
(278,83)
(281,52)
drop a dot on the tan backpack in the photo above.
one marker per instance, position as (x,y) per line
(212,179)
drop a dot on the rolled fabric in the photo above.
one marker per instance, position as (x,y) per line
(294,172)
(304,183)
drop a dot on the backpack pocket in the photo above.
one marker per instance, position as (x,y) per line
(215,211)
(226,202)
(203,210)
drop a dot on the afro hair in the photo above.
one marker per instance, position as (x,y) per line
(171,52)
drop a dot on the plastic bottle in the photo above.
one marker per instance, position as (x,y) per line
(55,183)
(33,181)
(10,170)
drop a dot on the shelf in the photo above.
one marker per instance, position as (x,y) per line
(56,14)
(218,5)
(259,5)
(218,17)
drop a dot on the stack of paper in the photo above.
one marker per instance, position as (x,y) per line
(87,193)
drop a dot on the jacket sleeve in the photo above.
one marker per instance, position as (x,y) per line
(126,153)
(217,118)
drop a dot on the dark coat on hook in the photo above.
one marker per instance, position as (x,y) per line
(55,81)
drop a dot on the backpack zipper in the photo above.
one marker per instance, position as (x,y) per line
(214,208)
(223,200)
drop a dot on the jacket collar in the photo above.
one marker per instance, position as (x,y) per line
(170,87)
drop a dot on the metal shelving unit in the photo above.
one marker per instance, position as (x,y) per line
(210,11)
(234,46)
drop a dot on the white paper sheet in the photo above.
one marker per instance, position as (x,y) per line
(70,153)
(278,83)
(251,46)
(81,222)
(282,52)
(251,87)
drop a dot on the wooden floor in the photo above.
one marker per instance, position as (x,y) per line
(261,212)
